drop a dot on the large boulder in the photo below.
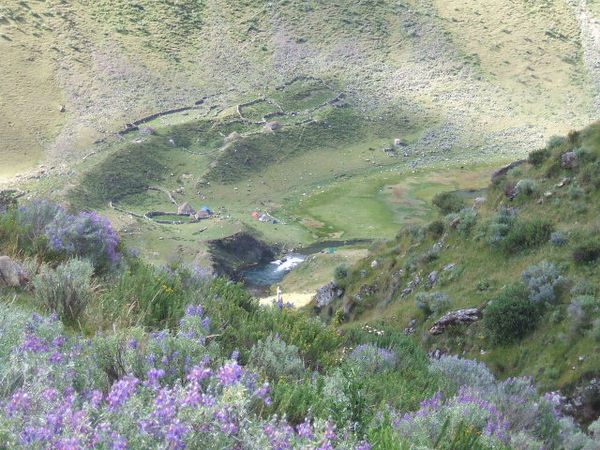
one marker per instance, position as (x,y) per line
(11,273)
(327,294)
(459,317)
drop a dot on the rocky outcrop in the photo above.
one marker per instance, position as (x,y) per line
(583,401)
(501,173)
(327,293)
(11,273)
(231,255)
(459,317)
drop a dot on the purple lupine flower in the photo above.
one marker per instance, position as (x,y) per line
(176,433)
(68,444)
(194,310)
(121,391)
(364,446)
(34,344)
(230,373)
(154,376)
(263,393)
(226,421)
(55,358)
(305,430)
(199,373)
(19,402)
(330,431)
(96,399)
(118,442)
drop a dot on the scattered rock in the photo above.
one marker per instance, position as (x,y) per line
(478,202)
(459,317)
(583,404)
(449,267)
(412,327)
(328,293)
(62,108)
(432,278)
(374,264)
(11,273)
(568,160)
(563,182)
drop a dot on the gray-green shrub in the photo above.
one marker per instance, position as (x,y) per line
(66,290)
(543,281)
(433,303)
(276,359)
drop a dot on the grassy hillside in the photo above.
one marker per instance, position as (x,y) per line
(488,75)
(538,227)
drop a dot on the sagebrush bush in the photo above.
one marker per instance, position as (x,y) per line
(435,303)
(66,290)
(340,275)
(501,225)
(584,287)
(510,315)
(448,202)
(543,282)
(537,157)
(370,359)
(526,187)
(525,234)
(457,372)
(587,252)
(436,229)
(558,239)
(276,359)
(595,330)
(581,311)
(463,221)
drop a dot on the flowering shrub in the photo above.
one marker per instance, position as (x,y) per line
(543,281)
(65,290)
(45,227)
(86,235)
(54,395)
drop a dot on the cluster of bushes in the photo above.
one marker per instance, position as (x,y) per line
(516,310)
(45,229)
(512,234)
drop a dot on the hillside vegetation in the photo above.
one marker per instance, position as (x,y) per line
(526,256)
(98,348)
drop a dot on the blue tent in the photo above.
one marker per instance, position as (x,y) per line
(206,209)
